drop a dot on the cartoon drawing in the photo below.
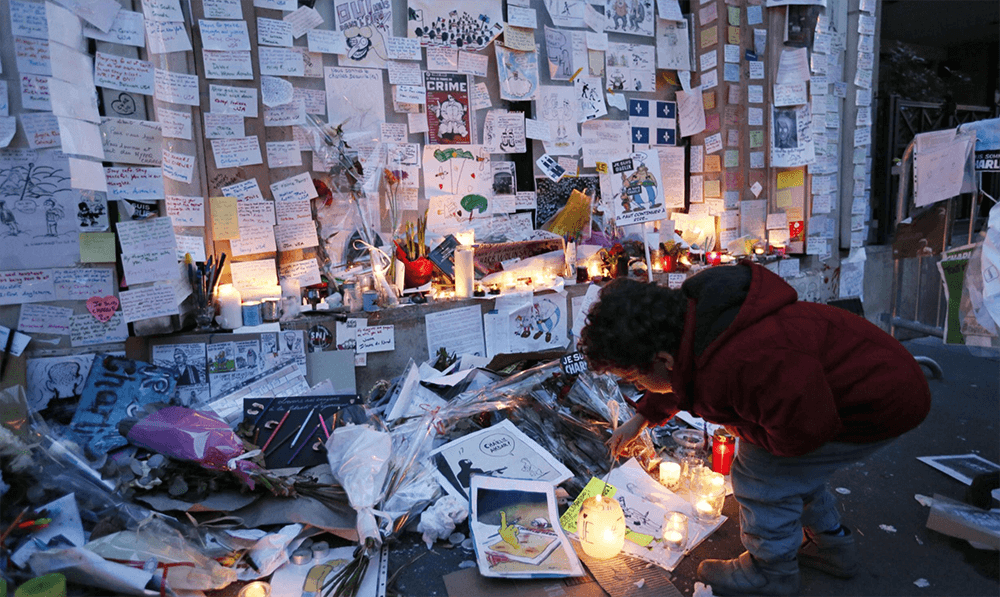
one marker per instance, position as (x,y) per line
(187,374)
(518,74)
(7,218)
(508,532)
(451,116)
(89,214)
(366,25)
(547,315)
(466,470)
(531,470)
(619,14)
(53,213)
(441,24)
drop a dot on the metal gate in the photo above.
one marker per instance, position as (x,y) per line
(917,302)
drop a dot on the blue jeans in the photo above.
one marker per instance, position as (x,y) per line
(780,495)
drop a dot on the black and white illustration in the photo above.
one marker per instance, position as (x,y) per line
(634,17)
(518,74)
(566,52)
(963,467)
(590,95)
(498,451)
(54,385)
(190,364)
(791,137)
(538,325)
(630,67)
(456,24)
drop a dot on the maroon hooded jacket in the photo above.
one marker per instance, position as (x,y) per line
(787,376)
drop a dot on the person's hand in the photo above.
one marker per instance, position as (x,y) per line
(626,433)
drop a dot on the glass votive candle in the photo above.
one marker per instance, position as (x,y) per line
(675,530)
(708,503)
(706,479)
(691,472)
(670,475)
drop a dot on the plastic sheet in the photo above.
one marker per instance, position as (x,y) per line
(572,422)
(195,436)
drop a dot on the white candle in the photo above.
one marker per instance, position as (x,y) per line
(704,508)
(673,539)
(464,272)
(670,474)
(230,307)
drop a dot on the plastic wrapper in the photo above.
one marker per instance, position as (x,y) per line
(359,458)
(86,568)
(438,521)
(567,417)
(186,566)
(194,436)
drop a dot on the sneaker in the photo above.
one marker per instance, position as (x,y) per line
(836,555)
(747,575)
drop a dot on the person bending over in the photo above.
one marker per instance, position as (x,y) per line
(807,388)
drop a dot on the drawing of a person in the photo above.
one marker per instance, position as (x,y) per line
(644,178)
(785,136)
(451,114)
(637,14)
(64,380)
(53,213)
(7,217)
(187,374)
(619,10)
(547,316)
(466,470)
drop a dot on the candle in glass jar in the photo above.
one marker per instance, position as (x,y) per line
(464,271)
(675,530)
(670,474)
(703,508)
(673,539)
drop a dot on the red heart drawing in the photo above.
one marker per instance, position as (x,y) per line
(102,307)
(473,175)
(441,186)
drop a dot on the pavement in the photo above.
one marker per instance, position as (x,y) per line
(889,524)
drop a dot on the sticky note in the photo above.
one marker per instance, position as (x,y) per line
(791,178)
(97,247)
(784,199)
(225,222)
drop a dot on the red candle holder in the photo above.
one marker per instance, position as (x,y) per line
(713,258)
(723,451)
(669,263)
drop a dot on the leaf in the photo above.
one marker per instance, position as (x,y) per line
(471,202)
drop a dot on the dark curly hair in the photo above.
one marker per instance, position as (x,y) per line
(630,323)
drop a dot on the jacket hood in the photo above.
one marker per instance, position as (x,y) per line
(730,299)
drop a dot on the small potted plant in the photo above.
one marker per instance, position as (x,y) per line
(412,252)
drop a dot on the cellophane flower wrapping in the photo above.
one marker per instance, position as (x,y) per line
(568,416)
(359,458)
(195,436)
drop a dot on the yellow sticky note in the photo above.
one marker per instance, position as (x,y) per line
(97,247)
(225,222)
(713,189)
(709,37)
(733,35)
(708,98)
(791,178)
(784,199)
(713,163)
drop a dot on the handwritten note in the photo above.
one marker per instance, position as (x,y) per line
(223,9)
(292,113)
(375,338)
(86,330)
(35,92)
(186,211)
(303,19)
(253,274)
(403,48)
(233,100)
(328,42)
(97,247)
(306,272)
(164,37)
(282,154)
(131,141)
(230,65)
(44,319)
(252,240)
(178,166)
(162,10)
(124,74)
(81,283)
(157,300)
(224,126)
(32,56)
(233,153)
(26,286)
(244,190)
(280,62)
(224,35)
(225,221)
(252,213)
(176,88)
(134,183)
(127,29)
(272,32)
(41,130)
(295,188)
(296,235)
(174,124)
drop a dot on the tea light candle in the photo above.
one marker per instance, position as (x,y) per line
(675,530)
(709,501)
(670,474)
(257,588)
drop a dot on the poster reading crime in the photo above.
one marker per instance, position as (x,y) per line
(448,119)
